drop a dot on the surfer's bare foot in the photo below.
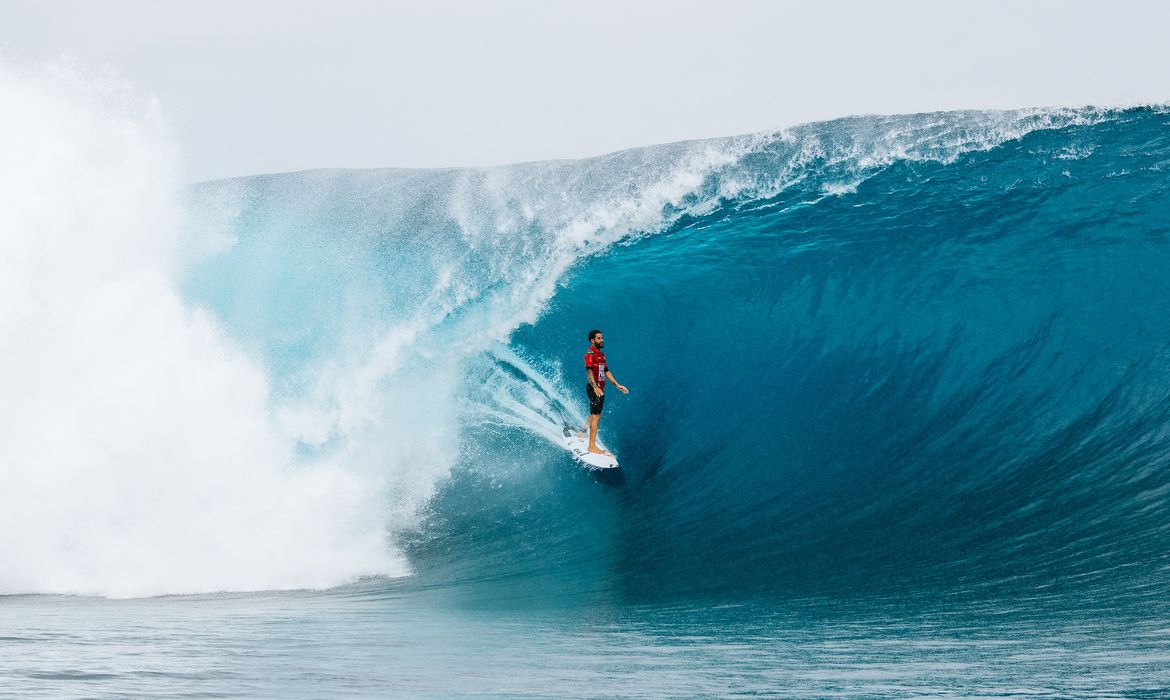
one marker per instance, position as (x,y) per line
(598,451)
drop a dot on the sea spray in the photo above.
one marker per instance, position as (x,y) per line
(140,454)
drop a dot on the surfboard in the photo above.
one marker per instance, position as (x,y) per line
(579,448)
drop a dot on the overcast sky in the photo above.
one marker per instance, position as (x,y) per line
(279,85)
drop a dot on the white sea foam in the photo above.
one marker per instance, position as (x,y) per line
(138,453)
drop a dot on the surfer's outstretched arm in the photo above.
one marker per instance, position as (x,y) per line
(609,376)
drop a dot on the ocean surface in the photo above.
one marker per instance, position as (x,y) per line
(898,421)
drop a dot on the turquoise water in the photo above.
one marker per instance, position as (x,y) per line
(897,426)
(368,643)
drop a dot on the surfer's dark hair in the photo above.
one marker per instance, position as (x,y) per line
(591,334)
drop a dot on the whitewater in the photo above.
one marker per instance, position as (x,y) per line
(898,407)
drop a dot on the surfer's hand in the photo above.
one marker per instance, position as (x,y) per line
(623,389)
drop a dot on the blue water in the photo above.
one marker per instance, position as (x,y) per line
(898,422)
(381,645)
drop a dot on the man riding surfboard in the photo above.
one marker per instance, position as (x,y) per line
(597,370)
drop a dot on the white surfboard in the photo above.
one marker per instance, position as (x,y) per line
(579,448)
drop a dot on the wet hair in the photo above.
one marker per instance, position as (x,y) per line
(591,334)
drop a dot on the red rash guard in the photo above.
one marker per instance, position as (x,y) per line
(595,363)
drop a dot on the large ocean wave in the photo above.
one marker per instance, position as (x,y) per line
(921,350)
(940,373)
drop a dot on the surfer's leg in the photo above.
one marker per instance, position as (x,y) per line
(594,414)
(596,403)
(593,421)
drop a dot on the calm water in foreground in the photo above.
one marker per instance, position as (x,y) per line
(374,642)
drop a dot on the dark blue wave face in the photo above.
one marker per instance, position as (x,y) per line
(953,378)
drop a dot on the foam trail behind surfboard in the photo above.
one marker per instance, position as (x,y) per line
(518,394)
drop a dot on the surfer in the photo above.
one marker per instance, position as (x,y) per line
(598,371)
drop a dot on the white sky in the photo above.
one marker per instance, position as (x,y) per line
(279,85)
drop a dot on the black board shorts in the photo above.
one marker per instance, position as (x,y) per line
(596,403)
